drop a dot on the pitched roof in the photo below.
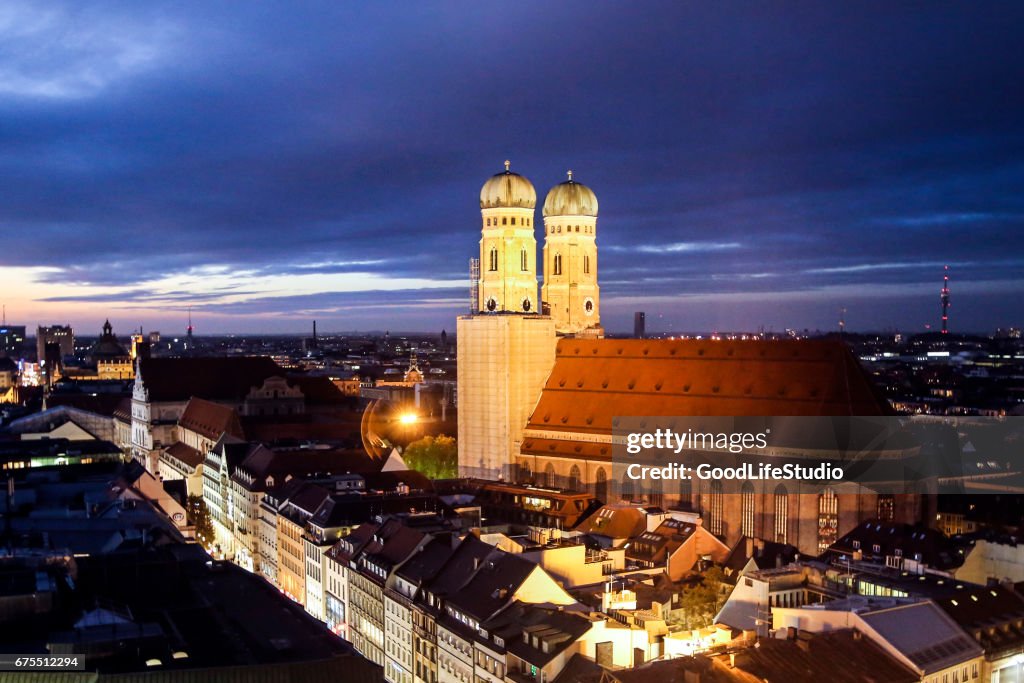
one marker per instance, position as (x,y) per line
(909,540)
(123,410)
(580,669)
(179,379)
(317,389)
(464,560)
(185,453)
(924,634)
(425,564)
(210,419)
(594,380)
(681,670)
(549,632)
(493,585)
(615,520)
(308,498)
(766,554)
(992,614)
(843,656)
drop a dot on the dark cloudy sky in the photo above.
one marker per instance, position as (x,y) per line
(756,163)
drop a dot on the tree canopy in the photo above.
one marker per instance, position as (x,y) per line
(433,457)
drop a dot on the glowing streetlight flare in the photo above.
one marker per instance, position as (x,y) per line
(408,418)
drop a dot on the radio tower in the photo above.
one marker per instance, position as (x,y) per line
(945,300)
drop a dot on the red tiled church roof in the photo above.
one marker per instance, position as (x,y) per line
(595,380)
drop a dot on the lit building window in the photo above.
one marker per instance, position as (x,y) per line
(828,519)
(715,508)
(747,510)
(781,513)
(886,508)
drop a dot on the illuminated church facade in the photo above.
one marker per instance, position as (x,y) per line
(540,387)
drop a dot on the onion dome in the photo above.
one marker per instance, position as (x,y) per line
(508,190)
(570,199)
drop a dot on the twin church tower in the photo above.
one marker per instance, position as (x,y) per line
(508,252)
(506,349)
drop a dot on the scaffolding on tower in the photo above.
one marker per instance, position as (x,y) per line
(945,300)
(474,286)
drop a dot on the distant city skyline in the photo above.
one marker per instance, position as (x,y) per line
(765,168)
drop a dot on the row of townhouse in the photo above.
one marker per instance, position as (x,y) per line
(431,607)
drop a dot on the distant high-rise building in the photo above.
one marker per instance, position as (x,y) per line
(154,337)
(62,335)
(11,339)
(639,325)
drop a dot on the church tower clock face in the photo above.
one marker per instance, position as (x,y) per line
(492,304)
(588,306)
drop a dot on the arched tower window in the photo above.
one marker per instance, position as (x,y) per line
(522,260)
(781,513)
(601,485)
(586,263)
(747,510)
(524,471)
(558,264)
(828,519)
(574,478)
(715,508)
(493,264)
